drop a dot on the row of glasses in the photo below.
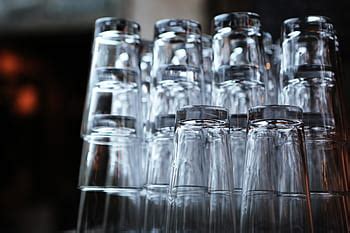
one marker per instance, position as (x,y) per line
(275,196)
(135,92)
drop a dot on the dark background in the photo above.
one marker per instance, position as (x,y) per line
(43,78)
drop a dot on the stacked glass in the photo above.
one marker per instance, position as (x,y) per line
(177,76)
(200,197)
(150,164)
(238,62)
(275,184)
(111,177)
(310,79)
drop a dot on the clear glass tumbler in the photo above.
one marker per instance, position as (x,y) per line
(111,185)
(177,66)
(114,84)
(309,69)
(276,194)
(158,174)
(201,184)
(238,62)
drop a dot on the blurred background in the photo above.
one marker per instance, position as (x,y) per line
(45,53)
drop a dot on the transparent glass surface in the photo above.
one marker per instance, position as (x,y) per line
(272,81)
(115,24)
(238,138)
(114,99)
(111,162)
(114,85)
(146,66)
(111,185)
(201,186)
(309,69)
(207,52)
(176,42)
(327,174)
(158,174)
(110,210)
(180,86)
(238,62)
(177,67)
(275,184)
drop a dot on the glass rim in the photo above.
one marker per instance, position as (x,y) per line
(201,112)
(315,22)
(275,112)
(114,141)
(189,26)
(238,120)
(165,121)
(116,74)
(116,24)
(237,19)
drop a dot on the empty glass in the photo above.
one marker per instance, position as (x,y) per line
(110,183)
(327,175)
(207,67)
(158,174)
(238,62)
(177,66)
(275,187)
(201,184)
(114,85)
(309,69)
(177,42)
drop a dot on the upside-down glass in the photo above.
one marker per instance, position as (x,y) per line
(114,84)
(177,66)
(158,174)
(238,62)
(110,184)
(207,52)
(275,184)
(327,175)
(309,70)
(201,186)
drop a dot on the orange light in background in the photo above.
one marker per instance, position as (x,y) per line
(10,64)
(26,100)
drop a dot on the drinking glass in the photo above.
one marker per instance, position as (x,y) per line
(309,69)
(177,66)
(110,184)
(114,84)
(275,184)
(201,182)
(238,62)
(158,174)
(327,175)
(207,70)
